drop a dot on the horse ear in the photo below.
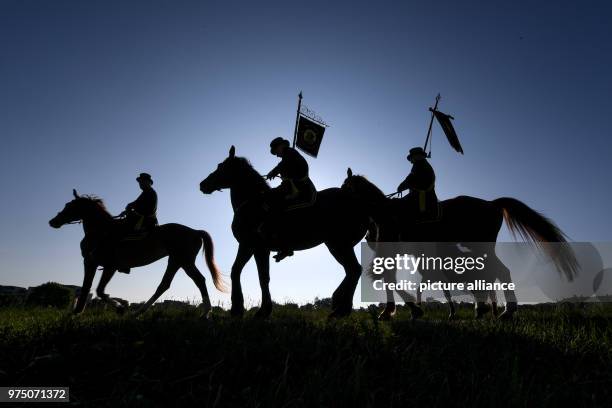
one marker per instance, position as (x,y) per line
(74,193)
(232,152)
(349,172)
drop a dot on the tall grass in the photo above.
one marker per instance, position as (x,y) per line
(547,357)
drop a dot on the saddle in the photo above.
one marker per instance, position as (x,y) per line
(433,214)
(290,195)
(126,232)
(134,228)
(408,210)
(135,236)
(301,196)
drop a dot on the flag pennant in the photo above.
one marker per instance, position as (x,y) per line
(445,122)
(309,135)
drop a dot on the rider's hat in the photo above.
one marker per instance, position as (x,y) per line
(416,151)
(144,177)
(278,142)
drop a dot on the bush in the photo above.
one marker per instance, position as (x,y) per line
(325,303)
(7,300)
(50,294)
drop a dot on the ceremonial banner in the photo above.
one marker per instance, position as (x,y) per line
(309,136)
(449,130)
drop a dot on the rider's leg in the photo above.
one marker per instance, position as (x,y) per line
(272,225)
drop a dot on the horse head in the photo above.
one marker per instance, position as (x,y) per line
(361,187)
(228,172)
(77,209)
(71,212)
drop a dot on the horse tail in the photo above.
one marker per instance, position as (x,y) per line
(540,230)
(208,253)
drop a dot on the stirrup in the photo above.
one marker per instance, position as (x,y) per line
(282,255)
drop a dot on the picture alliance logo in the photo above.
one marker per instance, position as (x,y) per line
(412,264)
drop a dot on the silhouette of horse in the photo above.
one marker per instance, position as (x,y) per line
(464,219)
(334,219)
(179,243)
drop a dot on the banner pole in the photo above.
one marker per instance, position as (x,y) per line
(297,118)
(431,124)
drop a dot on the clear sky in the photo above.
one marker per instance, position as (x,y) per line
(94,92)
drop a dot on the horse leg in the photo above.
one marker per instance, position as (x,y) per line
(345,292)
(107,275)
(451,306)
(415,309)
(164,285)
(89,273)
(262,259)
(503,274)
(493,298)
(200,281)
(480,304)
(242,257)
(390,309)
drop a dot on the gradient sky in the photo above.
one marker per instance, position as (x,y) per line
(94,92)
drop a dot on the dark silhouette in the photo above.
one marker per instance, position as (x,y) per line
(463,219)
(335,219)
(421,203)
(178,242)
(296,189)
(140,215)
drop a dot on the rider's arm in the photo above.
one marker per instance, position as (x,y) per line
(406,184)
(145,204)
(275,171)
(135,204)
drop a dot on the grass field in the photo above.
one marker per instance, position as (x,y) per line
(549,356)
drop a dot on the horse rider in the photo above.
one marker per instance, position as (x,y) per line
(295,184)
(421,203)
(141,214)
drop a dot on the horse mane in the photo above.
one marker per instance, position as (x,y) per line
(368,188)
(249,172)
(96,201)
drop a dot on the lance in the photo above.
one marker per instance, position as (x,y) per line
(430,125)
(297,118)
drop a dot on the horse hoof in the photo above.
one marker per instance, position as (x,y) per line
(385,316)
(452,317)
(505,316)
(417,313)
(481,311)
(333,316)
(263,313)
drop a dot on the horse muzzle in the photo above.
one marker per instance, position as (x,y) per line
(205,188)
(55,223)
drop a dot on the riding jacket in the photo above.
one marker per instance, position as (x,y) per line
(296,184)
(421,183)
(145,209)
